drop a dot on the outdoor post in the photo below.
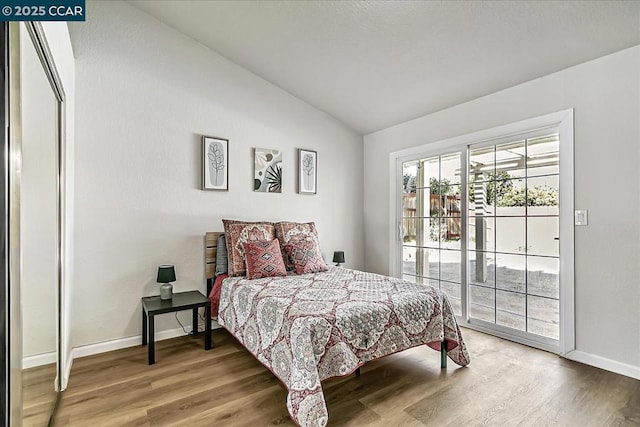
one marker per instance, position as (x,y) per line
(480,195)
(422,255)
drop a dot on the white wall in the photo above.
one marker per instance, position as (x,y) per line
(145,96)
(605,94)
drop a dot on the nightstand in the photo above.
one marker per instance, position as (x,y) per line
(190,300)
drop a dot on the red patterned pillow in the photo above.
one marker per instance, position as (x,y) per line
(306,257)
(294,232)
(239,232)
(264,259)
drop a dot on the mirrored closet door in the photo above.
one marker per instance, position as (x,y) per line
(35,141)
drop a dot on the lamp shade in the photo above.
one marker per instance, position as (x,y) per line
(338,256)
(166,274)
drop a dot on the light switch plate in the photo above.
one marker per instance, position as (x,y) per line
(582,217)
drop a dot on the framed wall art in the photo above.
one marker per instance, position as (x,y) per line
(307,171)
(215,163)
(267,171)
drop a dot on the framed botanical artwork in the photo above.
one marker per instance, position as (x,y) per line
(215,163)
(267,175)
(307,171)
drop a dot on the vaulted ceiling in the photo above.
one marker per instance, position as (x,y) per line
(374,64)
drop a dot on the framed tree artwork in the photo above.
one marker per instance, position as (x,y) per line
(307,171)
(215,163)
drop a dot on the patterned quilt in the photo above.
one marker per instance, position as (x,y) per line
(311,327)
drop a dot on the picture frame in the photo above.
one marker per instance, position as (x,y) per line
(307,171)
(267,170)
(215,163)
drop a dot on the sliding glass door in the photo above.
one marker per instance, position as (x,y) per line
(432,224)
(482,222)
(513,240)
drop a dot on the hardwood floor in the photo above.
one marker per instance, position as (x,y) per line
(506,384)
(38,395)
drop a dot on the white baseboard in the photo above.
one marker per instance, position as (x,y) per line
(604,363)
(38,360)
(117,344)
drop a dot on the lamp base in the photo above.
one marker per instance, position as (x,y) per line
(166,291)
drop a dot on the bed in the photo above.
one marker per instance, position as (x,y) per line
(306,328)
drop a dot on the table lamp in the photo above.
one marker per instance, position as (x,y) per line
(338,257)
(166,274)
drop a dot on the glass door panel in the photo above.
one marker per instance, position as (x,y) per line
(481,221)
(513,251)
(432,224)
(509,271)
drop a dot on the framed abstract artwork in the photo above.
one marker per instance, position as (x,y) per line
(307,171)
(267,177)
(215,163)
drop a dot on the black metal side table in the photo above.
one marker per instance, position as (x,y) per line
(190,300)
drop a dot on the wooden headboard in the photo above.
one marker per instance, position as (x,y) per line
(210,252)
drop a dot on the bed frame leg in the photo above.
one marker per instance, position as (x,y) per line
(358,372)
(443,355)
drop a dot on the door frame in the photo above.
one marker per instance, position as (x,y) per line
(13,175)
(564,121)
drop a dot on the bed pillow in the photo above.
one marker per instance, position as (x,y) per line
(305,256)
(293,232)
(239,232)
(263,259)
(222,259)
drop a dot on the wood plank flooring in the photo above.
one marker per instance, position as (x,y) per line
(506,384)
(38,395)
